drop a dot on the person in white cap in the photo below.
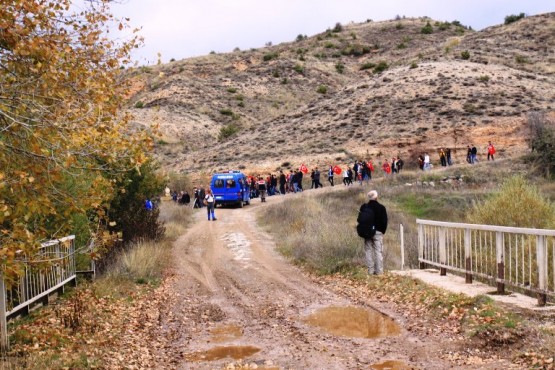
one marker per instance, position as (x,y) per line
(376,216)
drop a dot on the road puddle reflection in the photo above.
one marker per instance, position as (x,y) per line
(218,353)
(353,322)
(391,365)
(226,333)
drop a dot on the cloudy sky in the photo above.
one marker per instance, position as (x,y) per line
(186,28)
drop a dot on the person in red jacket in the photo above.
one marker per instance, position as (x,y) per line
(491,150)
(386,168)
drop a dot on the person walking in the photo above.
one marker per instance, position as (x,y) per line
(317,183)
(210,203)
(474,154)
(330,175)
(491,151)
(282,182)
(373,246)
(261,188)
(442,157)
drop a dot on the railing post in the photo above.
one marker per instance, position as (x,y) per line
(4,344)
(467,256)
(442,251)
(500,258)
(422,265)
(541,259)
(402,234)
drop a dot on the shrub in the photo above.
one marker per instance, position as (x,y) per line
(514,18)
(322,89)
(338,28)
(367,65)
(340,67)
(226,112)
(356,50)
(518,204)
(300,37)
(398,26)
(228,131)
(275,73)
(521,59)
(483,78)
(465,55)
(427,29)
(541,141)
(413,65)
(231,90)
(299,69)
(132,220)
(270,56)
(139,104)
(382,66)
(402,46)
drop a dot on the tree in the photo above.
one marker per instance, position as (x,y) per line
(63,140)
(541,140)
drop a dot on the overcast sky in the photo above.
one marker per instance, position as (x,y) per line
(186,28)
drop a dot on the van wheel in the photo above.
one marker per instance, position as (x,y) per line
(241,204)
(248,202)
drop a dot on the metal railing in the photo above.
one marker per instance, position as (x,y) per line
(519,257)
(50,270)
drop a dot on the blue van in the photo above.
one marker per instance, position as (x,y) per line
(230,188)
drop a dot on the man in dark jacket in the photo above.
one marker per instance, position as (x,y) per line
(373,247)
(282,182)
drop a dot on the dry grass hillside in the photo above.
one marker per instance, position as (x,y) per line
(374,89)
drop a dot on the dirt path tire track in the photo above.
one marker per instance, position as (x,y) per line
(227,272)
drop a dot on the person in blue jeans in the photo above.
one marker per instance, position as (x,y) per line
(210,202)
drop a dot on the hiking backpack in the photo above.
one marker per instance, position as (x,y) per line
(366,227)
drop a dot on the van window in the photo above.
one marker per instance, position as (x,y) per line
(230,184)
(218,183)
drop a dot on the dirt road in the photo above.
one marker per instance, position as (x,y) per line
(236,302)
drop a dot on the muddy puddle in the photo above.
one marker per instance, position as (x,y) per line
(391,365)
(218,353)
(353,322)
(225,333)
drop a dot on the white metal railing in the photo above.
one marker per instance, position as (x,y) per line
(45,273)
(519,257)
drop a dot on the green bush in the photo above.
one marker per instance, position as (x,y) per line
(413,65)
(139,104)
(483,78)
(356,50)
(518,204)
(465,55)
(127,212)
(338,28)
(521,59)
(513,18)
(226,112)
(270,56)
(322,89)
(340,67)
(228,131)
(299,69)
(427,29)
(382,66)
(367,65)
(231,90)
(541,141)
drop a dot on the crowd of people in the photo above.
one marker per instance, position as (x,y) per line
(445,159)
(360,171)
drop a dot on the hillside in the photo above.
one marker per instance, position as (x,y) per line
(373,89)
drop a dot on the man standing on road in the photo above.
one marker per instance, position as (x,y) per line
(373,246)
